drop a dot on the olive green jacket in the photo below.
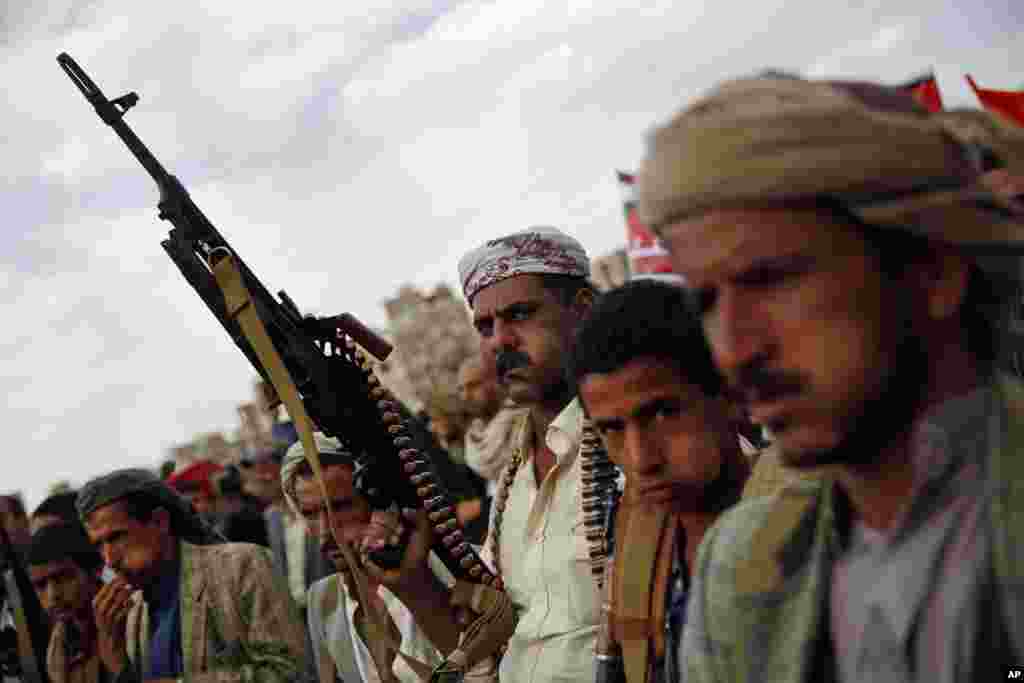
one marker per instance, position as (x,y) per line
(759,602)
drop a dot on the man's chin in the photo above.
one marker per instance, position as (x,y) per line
(805,450)
(521,393)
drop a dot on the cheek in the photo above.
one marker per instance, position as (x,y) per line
(828,331)
(135,557)
(695,456)
(544,347)
(138,556)
(76,592)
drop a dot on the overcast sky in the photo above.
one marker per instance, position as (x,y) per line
(346,148)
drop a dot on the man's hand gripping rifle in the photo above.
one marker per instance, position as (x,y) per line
(313,363)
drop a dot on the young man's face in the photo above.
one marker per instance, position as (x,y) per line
(800,320)
(521,321)
(350,510)
(65,591)
(133,548)
(670,438)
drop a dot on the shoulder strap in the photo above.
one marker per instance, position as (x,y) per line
(1007,521)
(642,529)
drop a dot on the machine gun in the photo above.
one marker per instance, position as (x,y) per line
(333,377)
(23,647)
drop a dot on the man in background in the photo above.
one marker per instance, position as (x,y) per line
(64,569)
(209,611)
(648,383)
(56,509)
(491,427)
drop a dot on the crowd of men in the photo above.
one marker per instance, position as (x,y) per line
(820,453)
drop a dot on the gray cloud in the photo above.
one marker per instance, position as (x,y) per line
(345,149)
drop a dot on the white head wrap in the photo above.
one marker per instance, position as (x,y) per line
(539,250)
(296,455)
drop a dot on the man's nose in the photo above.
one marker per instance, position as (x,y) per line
(503,336)
(643,454)
(736,332)
(110,556)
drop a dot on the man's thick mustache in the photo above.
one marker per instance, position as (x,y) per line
(757,384)
(508,360)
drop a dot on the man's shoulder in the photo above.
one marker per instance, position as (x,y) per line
(743,530)
(233,557)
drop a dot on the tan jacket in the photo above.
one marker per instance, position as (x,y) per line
(238,621)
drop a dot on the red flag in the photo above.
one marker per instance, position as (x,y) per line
(645,252)
(926,91)
(1006,103)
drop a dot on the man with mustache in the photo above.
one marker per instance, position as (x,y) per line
(337,630)
(646,378)
(826,232)
(184,605)
(64,570)
(528,292)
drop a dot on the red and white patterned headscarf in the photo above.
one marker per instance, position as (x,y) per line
(538,250)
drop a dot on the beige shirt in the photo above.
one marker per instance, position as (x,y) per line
(545,563)
(332,631)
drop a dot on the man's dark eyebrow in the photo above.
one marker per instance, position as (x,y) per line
(652,406)
(610,422)
(506,310)
(795,261)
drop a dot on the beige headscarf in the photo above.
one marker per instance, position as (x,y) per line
(296,455)
(866,146)
(539,250)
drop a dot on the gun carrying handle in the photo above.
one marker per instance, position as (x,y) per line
(363,335)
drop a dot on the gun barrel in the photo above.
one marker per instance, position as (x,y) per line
(112,113)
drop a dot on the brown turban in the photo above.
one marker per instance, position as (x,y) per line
(868,147)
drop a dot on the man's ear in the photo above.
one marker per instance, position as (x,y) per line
(943,277)
(583,301)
